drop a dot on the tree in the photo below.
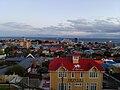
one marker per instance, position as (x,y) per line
(46,64)
(17,69)
(1,52)
(9,51)
(108,54)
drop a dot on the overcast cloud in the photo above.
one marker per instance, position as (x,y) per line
(101,28)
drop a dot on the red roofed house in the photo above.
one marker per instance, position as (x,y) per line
(75,73)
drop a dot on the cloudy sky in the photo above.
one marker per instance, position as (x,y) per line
(60,18)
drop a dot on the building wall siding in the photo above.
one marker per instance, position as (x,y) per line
(54,80)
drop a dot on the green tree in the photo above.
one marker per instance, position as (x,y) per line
(1,52)
(46,64)
(9,50)
(17,69)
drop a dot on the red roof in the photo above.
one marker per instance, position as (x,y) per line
(84,63)
(99,61)
(75,54)
(55,49)
(47,79)
(100,57)
(33,73)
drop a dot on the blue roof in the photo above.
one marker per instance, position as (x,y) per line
(110,62)
(15,59)
(26,62)
(1,45)
(106,66)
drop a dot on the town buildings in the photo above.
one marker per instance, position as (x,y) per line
(25,43)
(75,73)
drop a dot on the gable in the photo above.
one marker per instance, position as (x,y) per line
(62,68)
(93,69)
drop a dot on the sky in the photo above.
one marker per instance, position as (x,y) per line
(60,18)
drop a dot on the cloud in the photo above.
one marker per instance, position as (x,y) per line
(15,25)
(101,28)
(16,29)
(95,26)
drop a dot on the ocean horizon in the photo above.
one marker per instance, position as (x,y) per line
(114,40)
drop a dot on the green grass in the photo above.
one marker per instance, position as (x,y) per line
(6,87)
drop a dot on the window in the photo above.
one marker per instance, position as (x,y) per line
(75,57)
(81,74)
(64,87)
(93,86)
(69,86)
(34,70)
(93,74)
(78,84)
(87,86)
(72,75)
(62,74)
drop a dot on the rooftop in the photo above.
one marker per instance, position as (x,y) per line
(84,63)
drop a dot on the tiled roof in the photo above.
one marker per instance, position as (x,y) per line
(75,54)
(99,61)
(54,49)
(84,63)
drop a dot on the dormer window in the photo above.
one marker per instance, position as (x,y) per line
(75,58)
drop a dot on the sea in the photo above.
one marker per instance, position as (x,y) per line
(113,40)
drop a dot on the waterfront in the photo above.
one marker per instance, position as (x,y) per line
(114,40)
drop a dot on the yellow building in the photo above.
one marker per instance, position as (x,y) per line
(28,44)
(25,43)
(75,73)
